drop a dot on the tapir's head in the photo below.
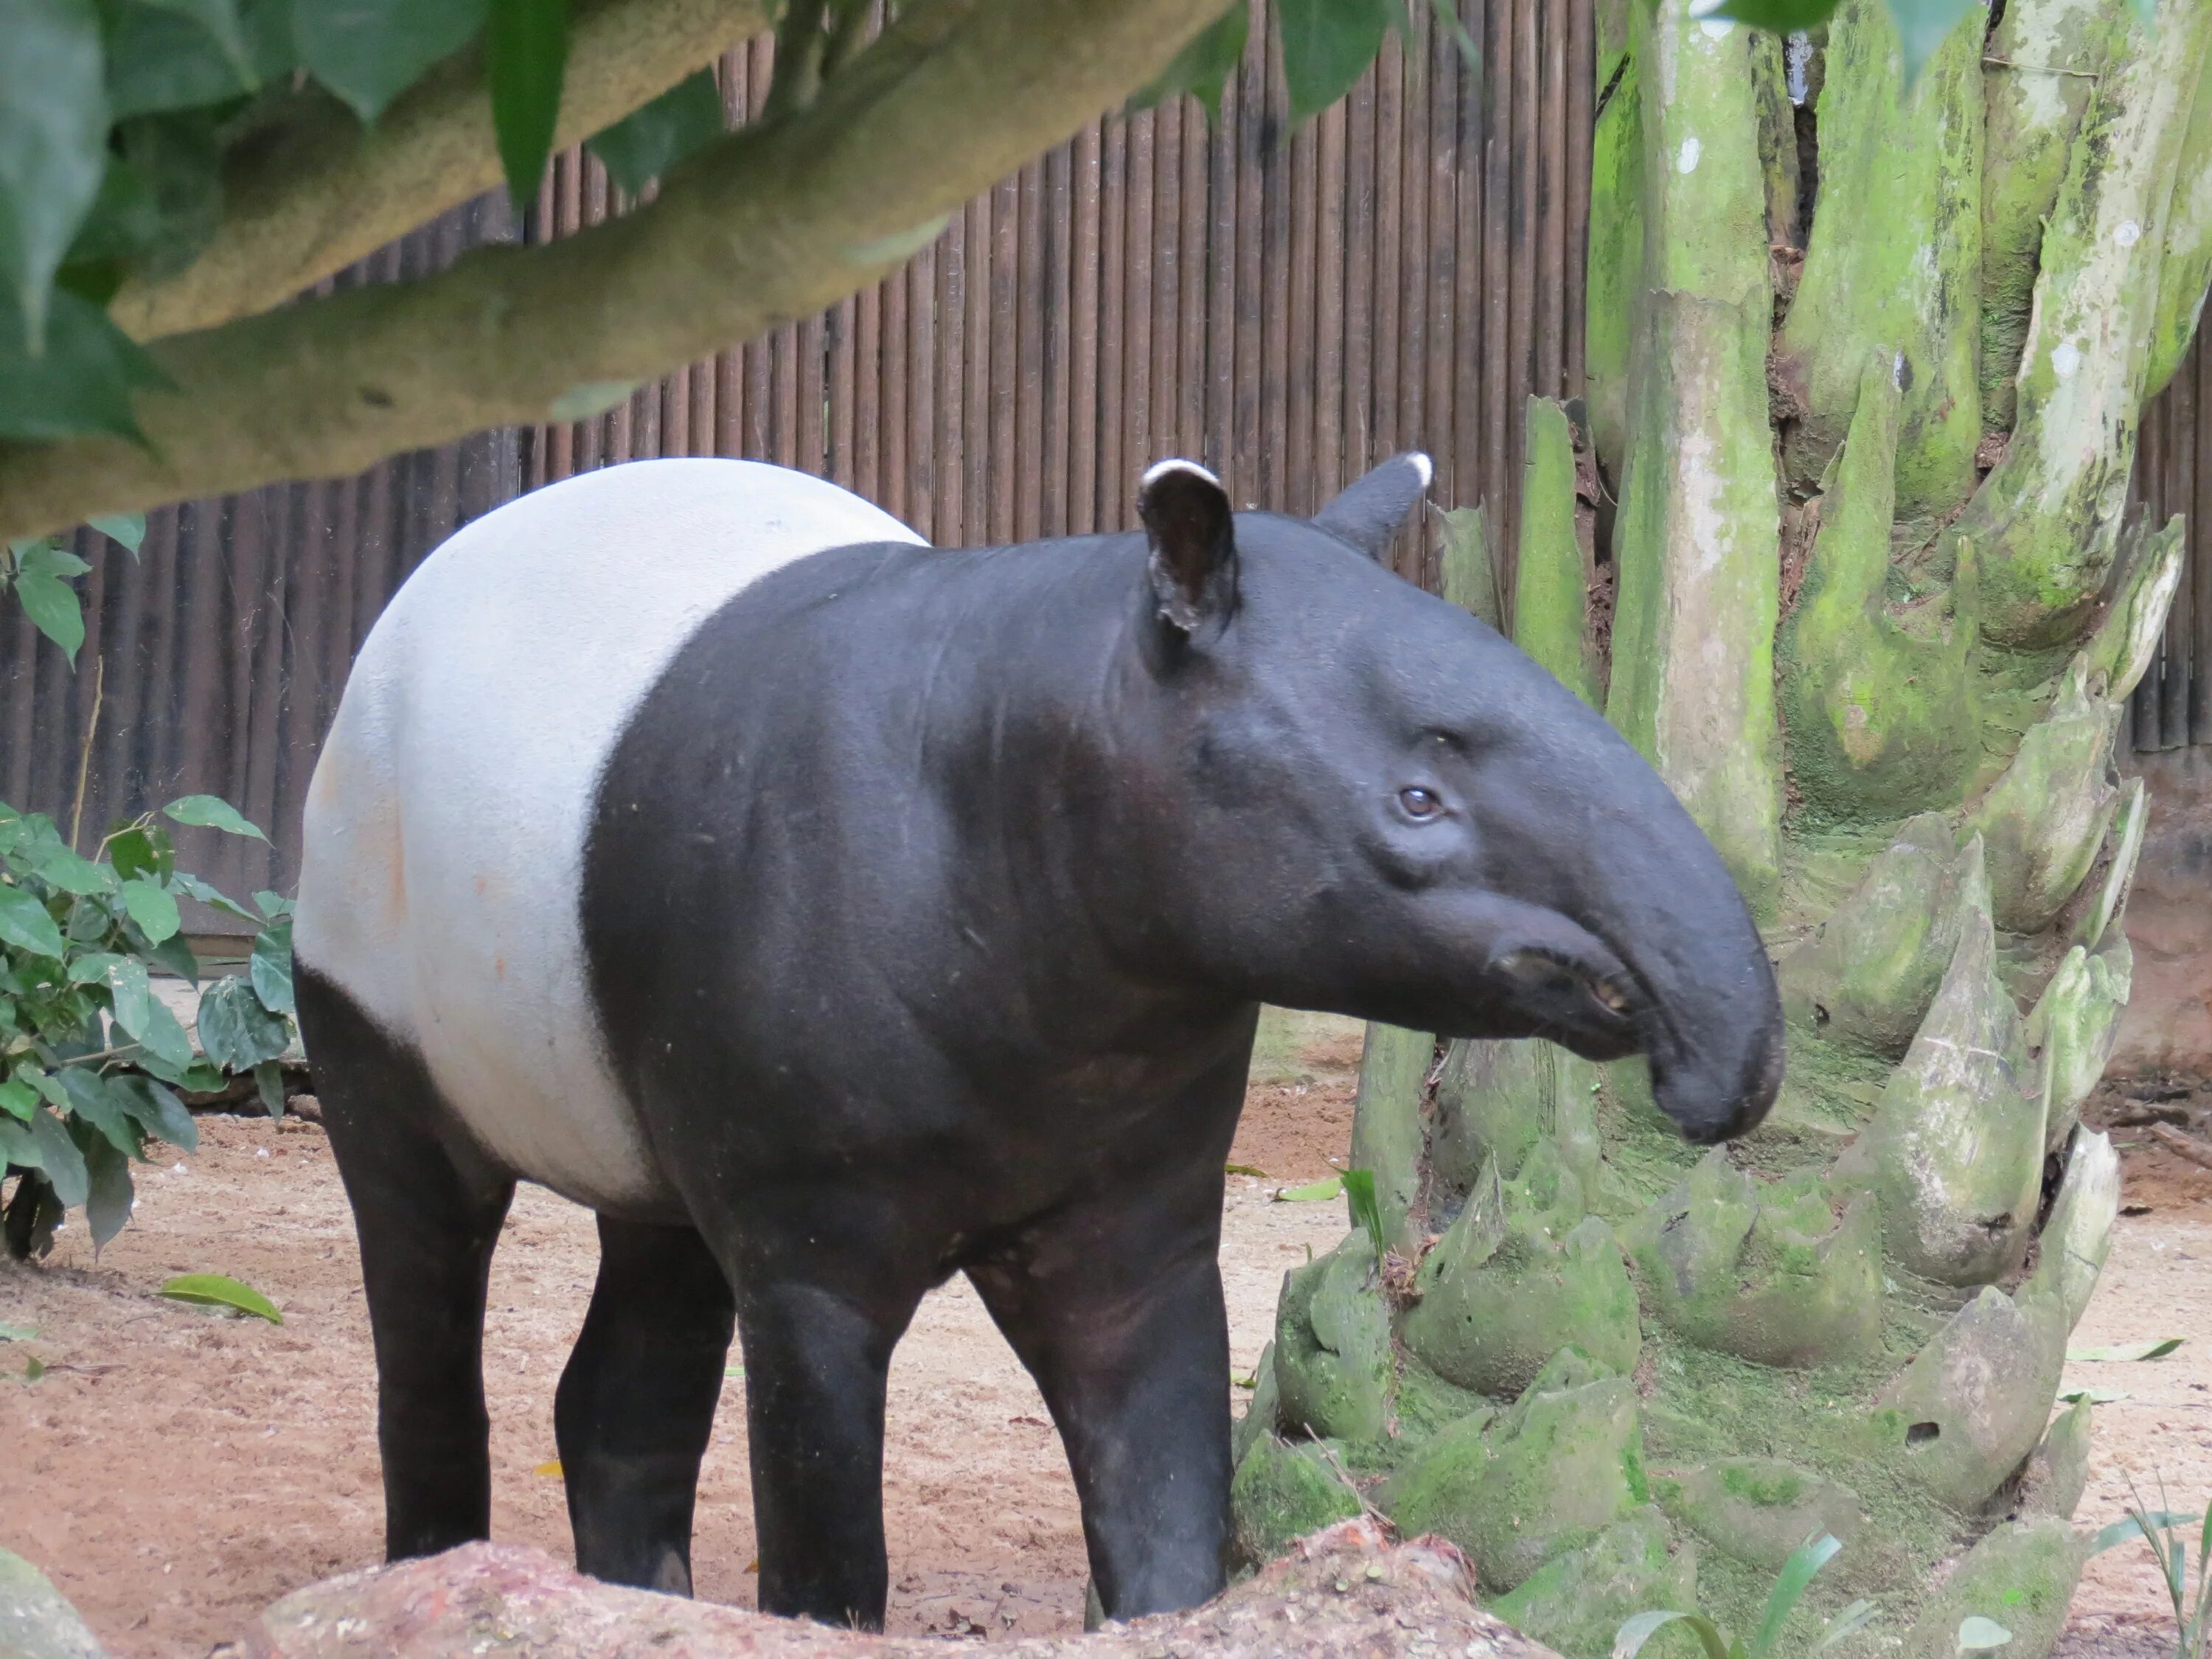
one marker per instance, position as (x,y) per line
(1357,797)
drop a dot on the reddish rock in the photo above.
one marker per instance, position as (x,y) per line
(1345,1592)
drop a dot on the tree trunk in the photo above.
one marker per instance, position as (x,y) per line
(1874,428)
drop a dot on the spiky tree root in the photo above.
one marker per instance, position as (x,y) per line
(1884,458)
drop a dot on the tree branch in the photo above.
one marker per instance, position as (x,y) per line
(311,197)
(768,225)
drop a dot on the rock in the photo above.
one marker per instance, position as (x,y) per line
(1342,1592)
(37,1623)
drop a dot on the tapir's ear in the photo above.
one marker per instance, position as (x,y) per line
(1369,510)
(1193,533)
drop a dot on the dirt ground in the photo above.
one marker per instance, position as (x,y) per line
(176,1469)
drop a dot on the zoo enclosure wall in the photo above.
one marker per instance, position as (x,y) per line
(1403,271)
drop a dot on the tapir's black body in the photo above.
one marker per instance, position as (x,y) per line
(928,902)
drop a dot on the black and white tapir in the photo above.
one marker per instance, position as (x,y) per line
(832,914)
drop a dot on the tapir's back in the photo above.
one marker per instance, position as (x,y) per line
(446,825)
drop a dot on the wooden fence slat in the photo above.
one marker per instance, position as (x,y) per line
(1087,259)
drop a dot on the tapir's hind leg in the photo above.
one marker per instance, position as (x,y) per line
(428,1209)
(636,1403)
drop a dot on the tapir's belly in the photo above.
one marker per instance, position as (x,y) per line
(444,850)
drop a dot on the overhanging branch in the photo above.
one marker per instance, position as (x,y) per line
(768,225)
(315,195)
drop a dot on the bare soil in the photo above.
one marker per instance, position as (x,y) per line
(176,1469)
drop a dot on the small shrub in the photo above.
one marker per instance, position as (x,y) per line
(90,1059)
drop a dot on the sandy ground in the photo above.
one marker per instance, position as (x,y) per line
(175,1469)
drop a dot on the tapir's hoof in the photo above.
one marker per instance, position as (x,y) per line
(1347,1590)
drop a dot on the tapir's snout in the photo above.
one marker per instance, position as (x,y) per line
(1721,1082)
(1710,1014)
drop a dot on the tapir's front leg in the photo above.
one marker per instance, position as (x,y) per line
(821,1305)
(1117,1309)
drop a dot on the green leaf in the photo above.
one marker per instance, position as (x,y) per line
(58,1158)
(160,58)
(1203,66)
(73,873)
(175,955)
(1922,27)
(193,888)
(93,1103)
(1633,1633)
(269,1084)
(129,994)
(17,1332)
(156,1110)
(83,381)
(270,969)
(1806,1559)
(236,1032)
(152,908)
(220,18)
(369,52)
(127,528)
(108,1199)
(53,152)
(214,1291)
(179,158)
(144,1017)
(2095,1397)
(25,924)
(92,967)
(33,1369)
(1366,1212)
(212,812)
(274,904)
(525,51)
(2157,1348)
(131,853)
(44,1082)
(42,584)
(2131,1527)
(18,1099)
(647,142)
(1326,43)
(1778,16)
(1979,1635)
(1313,1192)
(17,1146)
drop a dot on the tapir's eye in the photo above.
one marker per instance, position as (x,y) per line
(1419,803)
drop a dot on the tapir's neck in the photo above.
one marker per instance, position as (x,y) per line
(1031,714)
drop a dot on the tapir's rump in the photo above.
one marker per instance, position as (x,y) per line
(443,862)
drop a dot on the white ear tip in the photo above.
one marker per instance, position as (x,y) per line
(1424,466)
(1159,469)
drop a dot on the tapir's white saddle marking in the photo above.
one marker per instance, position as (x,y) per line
(443,862)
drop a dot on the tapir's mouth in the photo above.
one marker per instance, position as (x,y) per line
(1714,1084)
(1587,1000)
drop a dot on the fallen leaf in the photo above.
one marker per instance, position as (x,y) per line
(2157,1348)
(551,1469)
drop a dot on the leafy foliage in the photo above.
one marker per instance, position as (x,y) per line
(91,1059)
(2166,1534)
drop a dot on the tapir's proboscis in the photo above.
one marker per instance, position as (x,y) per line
(832,914)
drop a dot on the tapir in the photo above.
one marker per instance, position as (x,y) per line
(832,913)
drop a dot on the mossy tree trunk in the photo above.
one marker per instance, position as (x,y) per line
(1867,360)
